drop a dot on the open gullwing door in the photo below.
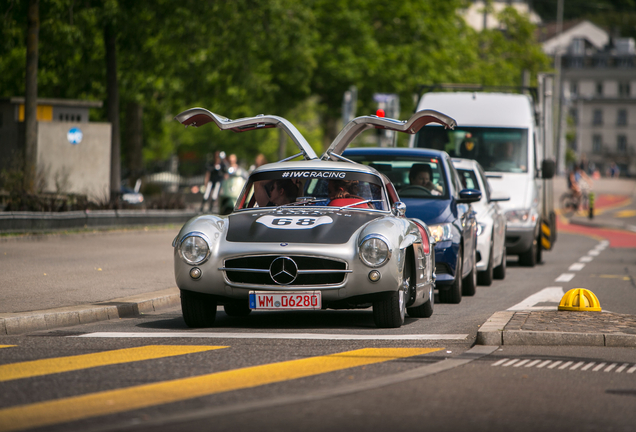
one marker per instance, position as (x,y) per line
(359,124)
(199,116)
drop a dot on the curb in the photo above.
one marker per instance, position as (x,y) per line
(493,332)
(125,307)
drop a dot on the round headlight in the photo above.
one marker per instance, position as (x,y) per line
(194,249)
(374,251)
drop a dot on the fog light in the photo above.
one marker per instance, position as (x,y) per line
(374,275)
(195,272)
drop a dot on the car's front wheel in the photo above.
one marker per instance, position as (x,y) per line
(199,310)
(453,294)
(499,272)
(469,284)
(485,277)
(390,312)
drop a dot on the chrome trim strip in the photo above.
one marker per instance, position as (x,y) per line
(317,271)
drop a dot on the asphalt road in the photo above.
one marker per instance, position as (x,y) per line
(318,370)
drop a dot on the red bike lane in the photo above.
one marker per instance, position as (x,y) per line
(618,238)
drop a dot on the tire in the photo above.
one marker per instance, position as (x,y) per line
(539,250)
(390,312)
(237,309)
(424,310)
(485,277)
(453,294)
(469,284)
(529,257)
(199,310)
(499,272)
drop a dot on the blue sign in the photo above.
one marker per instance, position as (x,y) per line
(74,136)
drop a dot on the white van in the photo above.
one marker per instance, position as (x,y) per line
(500,131)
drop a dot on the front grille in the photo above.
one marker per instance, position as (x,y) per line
(442,268)
(254,270)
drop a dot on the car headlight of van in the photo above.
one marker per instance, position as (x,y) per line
(374,250)
(441,232)
(194,248)
(520,216)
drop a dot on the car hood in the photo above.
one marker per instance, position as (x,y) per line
(516,186)
(297,226)
(429,211)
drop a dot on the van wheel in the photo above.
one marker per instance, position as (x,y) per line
(529,257)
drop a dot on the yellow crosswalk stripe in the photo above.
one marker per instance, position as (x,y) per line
(127,399)
(35,368)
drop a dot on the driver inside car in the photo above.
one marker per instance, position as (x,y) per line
(275,193)
(421,175)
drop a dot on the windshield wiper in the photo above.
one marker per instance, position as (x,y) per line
(304,202)
(360,202)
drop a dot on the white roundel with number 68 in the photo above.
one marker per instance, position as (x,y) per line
(293,222)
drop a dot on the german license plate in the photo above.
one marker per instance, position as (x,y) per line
(272,300)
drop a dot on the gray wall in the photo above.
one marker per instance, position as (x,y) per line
(82,168)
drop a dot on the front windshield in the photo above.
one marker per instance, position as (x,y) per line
(496,149)
(412,176)
(308,188)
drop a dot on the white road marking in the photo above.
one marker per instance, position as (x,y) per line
(521,363)
(576,366)
(544,363)
(511,362)
(594,252)
(546,295)
(497,363)
(586,259)
(587,366)
(610,367)
(566,364)
(622,367)
(555,364)
(272,336)
(532,363)
(598,367)
(632,369)
(565,277)
(576,267)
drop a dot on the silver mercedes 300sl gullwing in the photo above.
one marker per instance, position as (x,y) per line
(316,233)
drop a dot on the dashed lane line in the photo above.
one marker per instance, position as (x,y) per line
(126,399)
(565,277)
(586,259)
(313,336)
(569,365)
(576,267)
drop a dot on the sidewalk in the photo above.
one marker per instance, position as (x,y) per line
(563,328)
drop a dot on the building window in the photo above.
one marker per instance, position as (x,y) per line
(597,144)
(574,114)
(599,89)
(621,117)
(624,89)
(597,119)
(621,143)
(574,88)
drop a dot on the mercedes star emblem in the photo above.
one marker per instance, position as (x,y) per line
(283,270)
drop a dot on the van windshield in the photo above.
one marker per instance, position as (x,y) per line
(496,149)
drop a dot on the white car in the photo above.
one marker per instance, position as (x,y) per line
(491,231)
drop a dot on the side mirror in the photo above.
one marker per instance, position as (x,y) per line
(467,196)
(548,168)
(399,208)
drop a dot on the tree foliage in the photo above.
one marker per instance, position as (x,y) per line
(245,57)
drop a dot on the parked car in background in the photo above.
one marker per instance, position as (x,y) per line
(429,185)
(309,234)
(491,223)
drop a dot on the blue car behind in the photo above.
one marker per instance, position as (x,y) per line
(431,188)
